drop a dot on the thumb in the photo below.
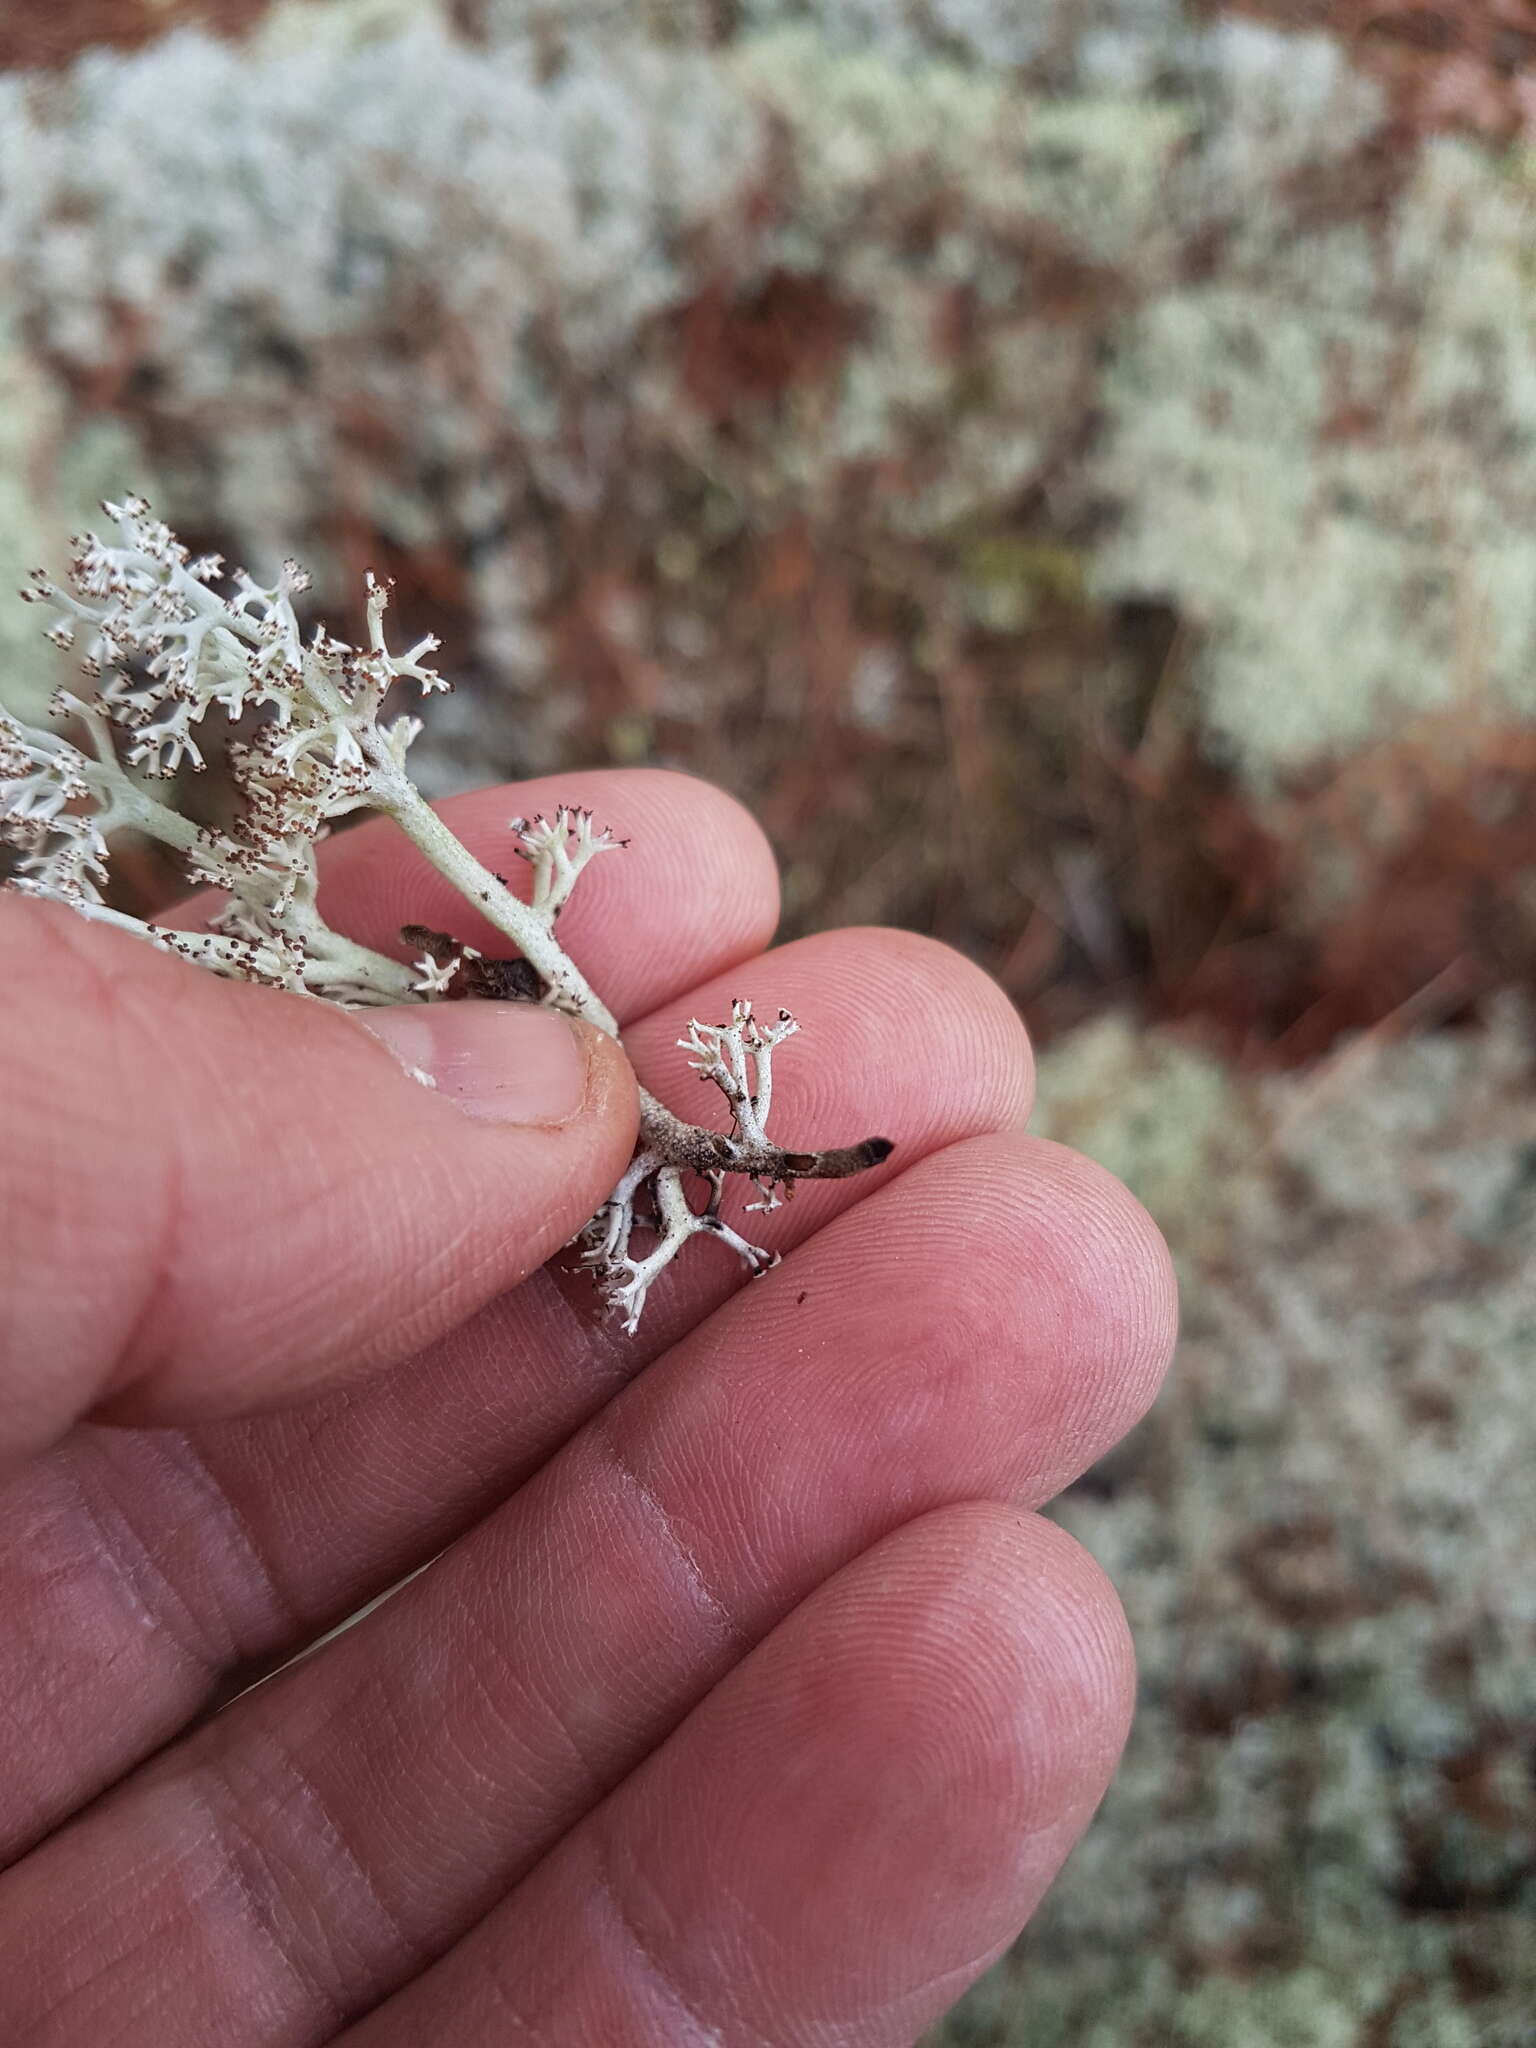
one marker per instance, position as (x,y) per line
(215,1197)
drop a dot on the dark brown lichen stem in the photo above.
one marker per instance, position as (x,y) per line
(840,1164)
(709,1152)
(490,981)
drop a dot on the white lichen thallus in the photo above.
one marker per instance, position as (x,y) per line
(164,647)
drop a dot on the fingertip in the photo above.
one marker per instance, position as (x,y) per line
(1070,1290)
(1108,1251)
(987,1617)
(1056,1599)
(977,1043)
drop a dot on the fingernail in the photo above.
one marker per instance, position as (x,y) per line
(510,1063)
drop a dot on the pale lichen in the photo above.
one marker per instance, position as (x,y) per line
(1322,1832)
(172,649)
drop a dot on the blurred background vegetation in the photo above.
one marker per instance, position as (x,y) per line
(1071,466)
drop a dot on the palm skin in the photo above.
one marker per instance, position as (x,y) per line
(747,1701)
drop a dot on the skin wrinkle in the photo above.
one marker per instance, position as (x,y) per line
(51,1705)
(608,1893)
(127,1573)
(134,1356)
(249,1870)
(613,1358)
(179,1451)
(726,1630)
(365,1891)
(507,2012)
(593,1776)
(387,1934)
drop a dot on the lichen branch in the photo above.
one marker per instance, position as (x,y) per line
(165,646)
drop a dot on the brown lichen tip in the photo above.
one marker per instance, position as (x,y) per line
(840,1164)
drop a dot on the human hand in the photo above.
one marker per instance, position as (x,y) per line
(748,1701)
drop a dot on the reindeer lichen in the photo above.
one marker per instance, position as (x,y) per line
(166,640)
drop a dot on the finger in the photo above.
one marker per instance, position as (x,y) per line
(695,890)
(502,1694)
(841,1837)
(214,1196)
(144,1574)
